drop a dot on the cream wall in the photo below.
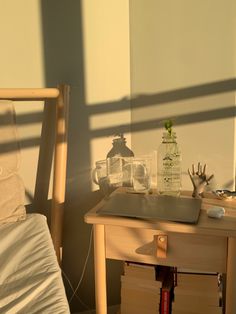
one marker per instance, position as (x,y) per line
(85,44)
(106,68)
(22,65)
(183,67)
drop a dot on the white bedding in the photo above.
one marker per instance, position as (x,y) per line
(30,278)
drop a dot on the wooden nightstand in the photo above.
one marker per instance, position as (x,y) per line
(209,245)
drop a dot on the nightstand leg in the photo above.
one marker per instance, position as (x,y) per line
(231,277)
(100,269)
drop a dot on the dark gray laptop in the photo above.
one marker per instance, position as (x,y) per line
(161,207)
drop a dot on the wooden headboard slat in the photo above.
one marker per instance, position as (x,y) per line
(61,96)
(28,93)
(59,176)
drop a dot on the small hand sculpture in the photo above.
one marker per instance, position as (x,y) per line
(199,180)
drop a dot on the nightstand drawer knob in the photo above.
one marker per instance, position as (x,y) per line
(162,246)
(161,239)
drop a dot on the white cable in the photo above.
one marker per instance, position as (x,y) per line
(85,265)
(77,297)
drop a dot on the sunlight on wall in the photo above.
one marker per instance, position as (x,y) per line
(21,65)
(109,119)
(106,65)
(106,50)
(21,39)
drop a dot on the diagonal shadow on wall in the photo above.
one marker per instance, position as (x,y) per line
(63,50)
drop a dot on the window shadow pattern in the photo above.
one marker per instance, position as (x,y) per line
(77,204)
(63,52)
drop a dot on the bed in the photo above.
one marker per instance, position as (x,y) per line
(30,253)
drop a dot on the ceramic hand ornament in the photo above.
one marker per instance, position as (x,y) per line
(199,180)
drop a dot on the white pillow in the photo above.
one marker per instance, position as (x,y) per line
(12,197)
(12,192)
(9,145)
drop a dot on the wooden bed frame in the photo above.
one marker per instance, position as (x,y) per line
(61,96)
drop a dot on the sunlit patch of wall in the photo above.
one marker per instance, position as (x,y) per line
(106,71)
(22,65)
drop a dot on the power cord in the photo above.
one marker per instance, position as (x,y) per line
(82,275)
(76,295)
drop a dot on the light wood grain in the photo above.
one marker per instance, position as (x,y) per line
(28,93)
(231,277)
(209,245)
(100,269)
(206,253)
(208,226)
(59,175)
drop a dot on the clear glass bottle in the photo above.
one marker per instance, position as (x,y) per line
(117,158)
(169,166)
(119,148)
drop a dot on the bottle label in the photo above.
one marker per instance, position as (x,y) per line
(169,176)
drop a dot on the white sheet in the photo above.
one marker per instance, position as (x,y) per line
(30,278)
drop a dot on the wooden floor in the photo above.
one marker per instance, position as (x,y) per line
(114,309)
